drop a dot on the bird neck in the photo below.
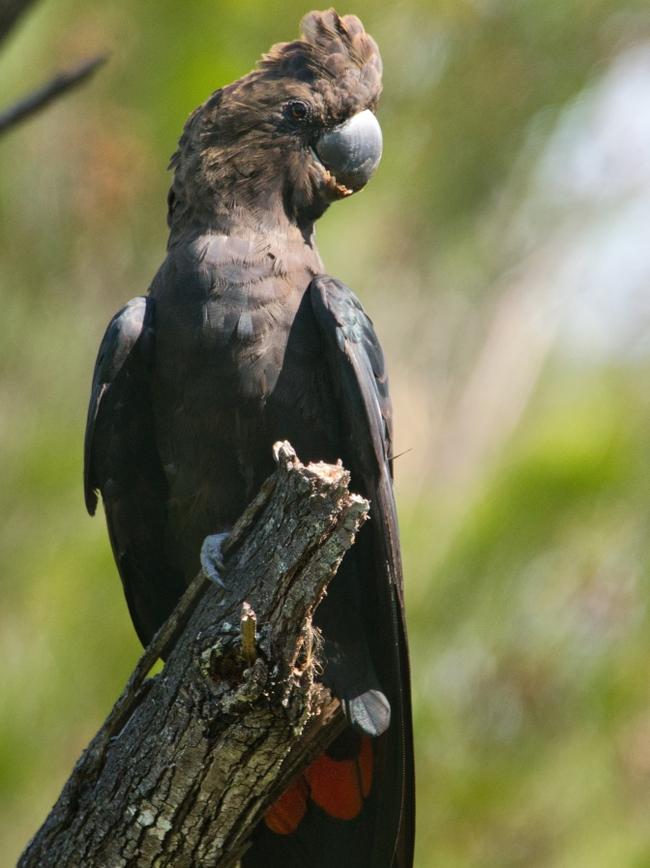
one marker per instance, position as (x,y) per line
(228,201)
(240,219)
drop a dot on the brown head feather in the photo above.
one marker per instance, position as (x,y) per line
(335,56)
(238,155)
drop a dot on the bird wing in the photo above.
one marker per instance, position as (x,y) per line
(358,373)
(121,461)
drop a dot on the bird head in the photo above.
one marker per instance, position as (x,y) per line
(289,138)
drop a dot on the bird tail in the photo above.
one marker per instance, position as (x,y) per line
(326,817)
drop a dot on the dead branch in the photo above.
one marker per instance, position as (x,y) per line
(51,90)
(10,13)
(188,761)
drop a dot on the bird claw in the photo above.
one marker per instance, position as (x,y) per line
(212,557)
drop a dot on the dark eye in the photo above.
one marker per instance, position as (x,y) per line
(296,110)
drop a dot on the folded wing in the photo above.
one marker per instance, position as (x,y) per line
(121,461)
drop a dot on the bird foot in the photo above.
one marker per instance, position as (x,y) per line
(212,557)
(368,713)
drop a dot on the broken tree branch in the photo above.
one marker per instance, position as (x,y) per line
(188,761)
(11,11)
(48,92)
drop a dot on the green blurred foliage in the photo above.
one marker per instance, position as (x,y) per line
(524,521)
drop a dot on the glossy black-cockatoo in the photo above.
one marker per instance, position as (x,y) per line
(244,340)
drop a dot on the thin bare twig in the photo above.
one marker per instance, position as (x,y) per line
(48,92)
(10,13)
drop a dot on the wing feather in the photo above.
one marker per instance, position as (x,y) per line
(358,372)
(129,326)
(122,462)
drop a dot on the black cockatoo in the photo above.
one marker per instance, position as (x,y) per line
(243,340)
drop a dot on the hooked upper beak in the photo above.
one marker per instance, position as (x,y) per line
(351,151)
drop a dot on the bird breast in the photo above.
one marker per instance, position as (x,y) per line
(226,312)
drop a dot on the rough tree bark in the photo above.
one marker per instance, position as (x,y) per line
(189,759)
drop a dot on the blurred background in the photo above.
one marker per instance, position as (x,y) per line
(503,250)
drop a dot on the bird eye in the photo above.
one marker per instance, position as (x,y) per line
(297,110)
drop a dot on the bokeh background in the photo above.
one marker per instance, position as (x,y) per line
(503,250)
